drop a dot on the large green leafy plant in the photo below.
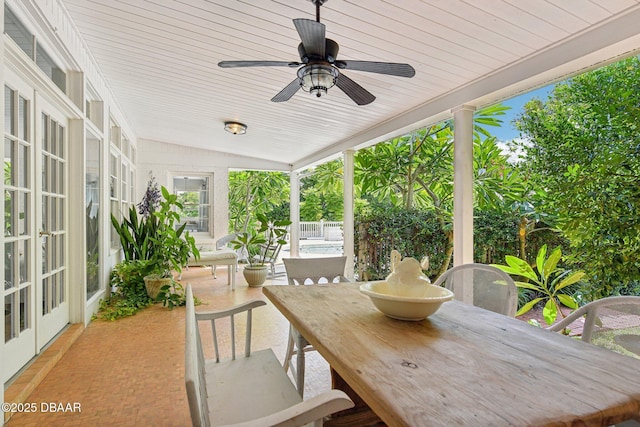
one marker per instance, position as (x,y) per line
(153,245)
(172,246)
(153,236)
(549,282)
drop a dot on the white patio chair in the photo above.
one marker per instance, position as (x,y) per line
(305,271)
(612,323)
(492,288)
(608,314)
(248,389)
(270,255)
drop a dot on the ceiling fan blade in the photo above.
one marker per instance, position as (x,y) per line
(286,93)
(312,35)
(357,93)
(236,64)
(391,68)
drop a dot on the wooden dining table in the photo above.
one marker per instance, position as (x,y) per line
(462,366)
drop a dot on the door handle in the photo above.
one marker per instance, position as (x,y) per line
(44,233)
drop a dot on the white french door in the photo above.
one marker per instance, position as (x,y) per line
(35,237)
(19,239)
(52,312)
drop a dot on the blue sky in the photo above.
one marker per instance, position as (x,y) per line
(507,132)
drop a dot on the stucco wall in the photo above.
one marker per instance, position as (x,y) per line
(165,160)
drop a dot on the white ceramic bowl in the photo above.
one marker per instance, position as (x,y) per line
(404,303)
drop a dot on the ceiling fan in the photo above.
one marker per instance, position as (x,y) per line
(319,69)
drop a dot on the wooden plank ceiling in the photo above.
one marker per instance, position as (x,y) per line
(160,60)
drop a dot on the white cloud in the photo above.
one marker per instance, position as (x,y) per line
(514,155)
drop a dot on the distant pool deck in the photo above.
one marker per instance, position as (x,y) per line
(316,248)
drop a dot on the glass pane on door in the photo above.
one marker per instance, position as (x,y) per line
(53,207)
(18,288)
(92,200)
(25,304)
(9,318)
(9,272)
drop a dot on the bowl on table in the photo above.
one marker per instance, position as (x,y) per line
(406,302)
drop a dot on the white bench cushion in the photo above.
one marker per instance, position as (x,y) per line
(215,257)
(226,257)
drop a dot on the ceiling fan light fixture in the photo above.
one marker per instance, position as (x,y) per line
(317,79)
(235,128)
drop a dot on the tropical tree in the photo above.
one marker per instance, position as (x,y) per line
(582,147)
(412,170)
(329,177)
(254,192)
(416,171)
(498,186)
(322,192)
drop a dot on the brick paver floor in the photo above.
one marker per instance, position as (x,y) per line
(130,372)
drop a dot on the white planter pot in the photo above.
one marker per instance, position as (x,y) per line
(255,276)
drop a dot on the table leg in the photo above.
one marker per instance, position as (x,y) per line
(358,416)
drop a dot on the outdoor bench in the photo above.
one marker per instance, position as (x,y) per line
(220,256)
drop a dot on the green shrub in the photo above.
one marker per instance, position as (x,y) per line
(413,233)
(130,294)
(495,235)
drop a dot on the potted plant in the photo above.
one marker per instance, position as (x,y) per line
(155,238)
(265,242)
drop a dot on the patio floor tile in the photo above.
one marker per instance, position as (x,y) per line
(130,372)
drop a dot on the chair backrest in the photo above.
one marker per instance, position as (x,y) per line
(194,374)
(270,253)
(492,288)
(302,271)
(611,322)
(224,241)
(194,354)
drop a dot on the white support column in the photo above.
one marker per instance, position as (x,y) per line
(77,240)
(463,185)
(294,213)
(348,221)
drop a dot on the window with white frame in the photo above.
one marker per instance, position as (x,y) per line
(193,193)
(121,177)
(28,43)
(114,203)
